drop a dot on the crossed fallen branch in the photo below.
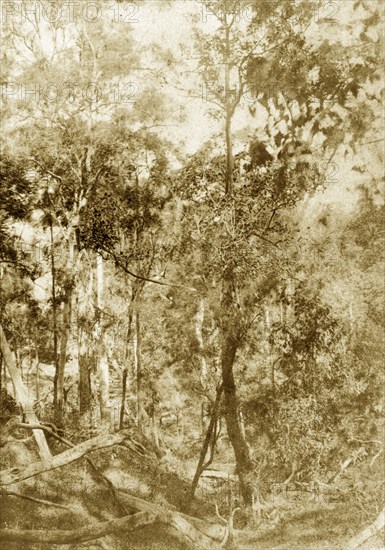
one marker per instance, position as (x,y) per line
(189,530)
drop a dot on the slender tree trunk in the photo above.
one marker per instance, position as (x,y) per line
(21,395)
(138,367)
(229,156)
(102,361)
(126,360)
(84,386)
(199,320)
(54,322)
(154,423)
(84,366)
(228,118)
(59,412)
(210,434)
(65,333)
(37,377)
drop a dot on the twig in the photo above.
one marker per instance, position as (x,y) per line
(38,500)
(375,457)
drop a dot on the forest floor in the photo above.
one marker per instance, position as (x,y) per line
(74,495)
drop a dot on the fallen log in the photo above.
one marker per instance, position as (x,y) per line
(14,475)
(149,514)
(190,530)
(90,532)
(375,529)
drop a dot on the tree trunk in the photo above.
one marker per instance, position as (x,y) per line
(21,396)
(229,112)
(59,411)
(209,438)
(229,156)
(231,317)
(84,386)
(244,464)
(154,423)
(15,475)
(84,308)
(199,320)
(54,321)
(138,367)
(126,359)
(65,334)
(230,342)
(102,361)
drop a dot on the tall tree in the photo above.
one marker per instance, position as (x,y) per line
(246,220)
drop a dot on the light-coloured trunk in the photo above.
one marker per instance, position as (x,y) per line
(83,299)
(66,329)
(54,321)
(199,320)
(21,395)
(126,362)
(270,349)
(137,349)
(102,360)
(65,335)
(37,377)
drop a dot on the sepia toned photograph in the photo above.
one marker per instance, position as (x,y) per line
(192,275)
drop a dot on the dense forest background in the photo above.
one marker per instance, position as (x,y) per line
(192,274)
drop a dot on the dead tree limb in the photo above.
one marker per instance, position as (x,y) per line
(210,440)
(374,529)
(21,395)
(183,529)
(90,532)
(188,529)
(14,475)
(32,499)
(228,539)
(87,458)
(351,458)
(212,532)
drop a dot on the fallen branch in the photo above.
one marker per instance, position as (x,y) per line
(14,475)
(228,539)
(148,514)
(191,530)
(52,432)
(371,531)
(375,457)
(351,458)
(45,428)
(32,499)
(90,532)
(210,530)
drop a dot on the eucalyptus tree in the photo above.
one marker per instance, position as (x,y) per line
(240,210)
(83,120)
